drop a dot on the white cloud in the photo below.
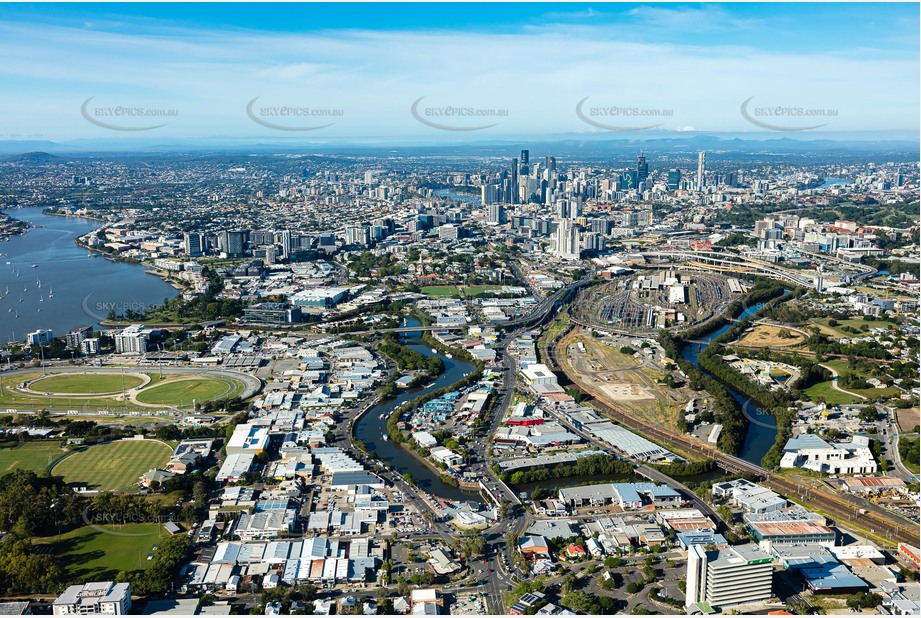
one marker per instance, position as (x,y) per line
(538,75)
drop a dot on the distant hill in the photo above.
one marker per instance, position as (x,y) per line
(33,157)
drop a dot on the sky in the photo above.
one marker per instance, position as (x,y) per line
(332,72)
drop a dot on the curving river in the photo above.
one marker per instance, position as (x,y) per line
(762,428)
(372,425)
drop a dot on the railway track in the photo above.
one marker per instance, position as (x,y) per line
(841,508)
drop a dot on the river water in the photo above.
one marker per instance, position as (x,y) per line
(762,428)
(371,428)
(68,286)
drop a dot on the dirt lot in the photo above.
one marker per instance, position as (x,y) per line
(631,383)
(769,336)
(908,419)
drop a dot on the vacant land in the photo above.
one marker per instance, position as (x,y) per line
(835,331)
(765,336)
(35,456)
(633,385)
(908,419)
(831,396)
(113,466)
(86,383)
(98,553)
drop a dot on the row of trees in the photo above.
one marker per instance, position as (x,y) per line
(593,465)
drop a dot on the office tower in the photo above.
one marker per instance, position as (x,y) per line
(642,169)
(819,284)
(725,577)
(567,240)
(489,194)
(524,163)
(496,214)
(628,180)
(261,237)
(513,181)
(701,163)
(194,244)
(550,163)
(674,179)
(232,243)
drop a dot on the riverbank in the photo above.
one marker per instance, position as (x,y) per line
(371,427)
(67,215)
(50,281)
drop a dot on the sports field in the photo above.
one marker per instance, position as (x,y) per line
(441,291)
(113,466)
(90,553)
(35,456)
(88,391)
(86,383)
(182,391)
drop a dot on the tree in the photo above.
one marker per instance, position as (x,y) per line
(634,587)
(864,600)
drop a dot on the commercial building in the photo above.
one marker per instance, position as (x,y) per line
(793,526)
(725,577)
(272,313)
(248,438)
(539,374)
(629,496)
(750,496)
(106,598)
(235,466)
(319,298)
(813,453)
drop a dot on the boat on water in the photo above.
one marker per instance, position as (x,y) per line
(381,416)
(34,265)
(386,437)
(448,356)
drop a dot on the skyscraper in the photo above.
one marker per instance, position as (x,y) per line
(628,180)
(496,214)
(701,161)
(524,163)
(567,240)
(513,193)
(194,244)
(674,179)
(232,243)
(642,170)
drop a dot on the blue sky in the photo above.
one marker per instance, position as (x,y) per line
(522,67)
